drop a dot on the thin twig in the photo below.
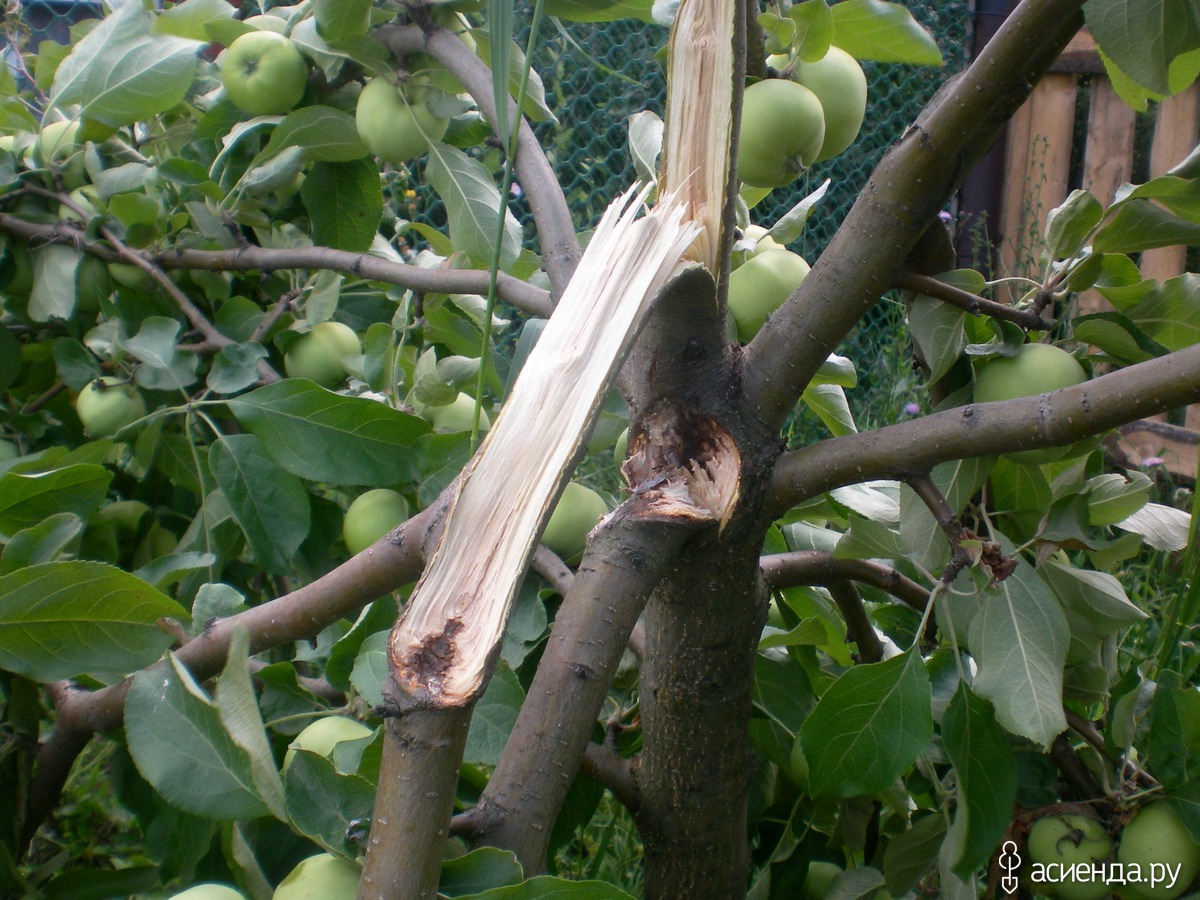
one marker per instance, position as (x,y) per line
(972,303)
(858,624)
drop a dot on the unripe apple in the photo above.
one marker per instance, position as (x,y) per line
(320,877)
(839,83)
(57,147)
(371,516)
(320,355)
(209,891)
(820,876)
(323,735)
(264,73)
(760,285)
(621,447)
(1155,835)
(1035,369)
(783,130)
(458,415)
(107,405)
(1066,840)
(577,512)
(761,239)
(396,125)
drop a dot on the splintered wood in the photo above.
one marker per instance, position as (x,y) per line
(699,120)
(445,640)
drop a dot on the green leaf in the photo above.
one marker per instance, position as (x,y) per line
(987,777)
(911,855)
(341,19)
(313,433)
(867,539)
(121,73)
(1122,341)
(937,329)
(1161,527)
(1143,37)
(26,500)
(63,619)
(829,402)
(472,204)
(53,295)
(180,746)
(235,367)
(325,804)
(237,703)
(645,143)
(1142,225)
(190,18)
(344,200)
(1069,225)
(1095,603)
(40,543)
(600,10)
(1019,636)
(494,717)
(270,504)
(369,674)
(326,134)
(479,870)
(1173,746)
(886,32)
(868,727)
(1170,314)
(814,28)
(922,538)
(1112,497)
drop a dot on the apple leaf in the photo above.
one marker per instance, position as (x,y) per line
(341,19)
(1144,37)
(25,500)
(829,402)
(868,727)
(1161,527)
(1170,313)
(1094,602)
(645,143)
(122,73)
(322,436)
(1019,637)
(1173,747)
(1139,225)
(181,747)
(885,32)
(191,18)
(1069,225)
(325,134)
(325,804)
(40,543)
(912,854)
(269,503)
(987,777)
(600,10)
(472,204)
(344,201)
(494,717)
(54,269)
(63,619)
(479,870)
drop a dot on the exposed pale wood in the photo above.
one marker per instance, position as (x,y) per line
(1107,159)
(444,642)
(1039,159)
(699,118)
(1175,134)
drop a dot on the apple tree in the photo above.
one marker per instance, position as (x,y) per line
(276,451)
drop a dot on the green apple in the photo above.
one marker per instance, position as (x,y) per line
(320,354)
(320,877)
(575,515)
(128,275)
(839,83)
(1066,840)
(458,415)
(1035,369)
(264,73)
(209,891)
(798,766)
(123,515)
(157,543)
(783,130)
(621,447)
(58,147)
(371,516)
(760,285)
(761,238)
(84,201)
(323,735)
(396,125)
(820,876)
(1155,835)
(107,405)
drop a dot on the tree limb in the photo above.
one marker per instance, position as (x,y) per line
(972,303)
(556,231)
(802,567)
(904,194)
(519,294)
(987,429)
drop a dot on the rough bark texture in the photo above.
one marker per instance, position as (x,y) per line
(623,564)
(414,803)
